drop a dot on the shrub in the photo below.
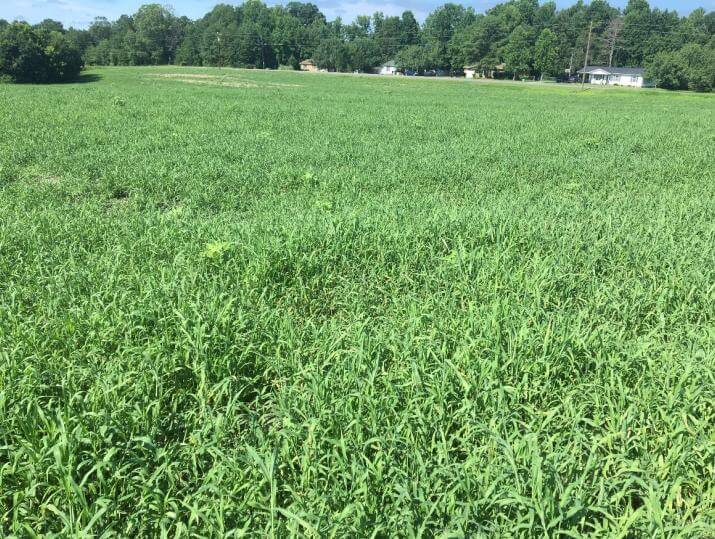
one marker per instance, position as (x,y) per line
(667,71)
(35,55)
(692,67)
(699,65)
(64,58)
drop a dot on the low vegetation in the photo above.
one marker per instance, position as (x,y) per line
(283,303)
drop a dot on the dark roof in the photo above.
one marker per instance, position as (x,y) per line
(615,70)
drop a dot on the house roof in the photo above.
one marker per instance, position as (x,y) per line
(613,70)
(307,61)
(391,63)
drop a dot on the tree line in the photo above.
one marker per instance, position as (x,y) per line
(522,37)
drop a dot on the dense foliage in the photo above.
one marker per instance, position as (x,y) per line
(37,54)
(528,38)
(692,67)
(324,306)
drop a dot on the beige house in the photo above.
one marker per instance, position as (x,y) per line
(471,72)
(308,65)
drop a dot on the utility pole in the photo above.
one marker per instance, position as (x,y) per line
(218,40)
(585,60)
(571,64)
(263,52)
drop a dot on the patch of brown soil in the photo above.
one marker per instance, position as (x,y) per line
(221,80)
(185,76)
(48,179)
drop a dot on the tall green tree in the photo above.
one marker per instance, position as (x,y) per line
(409,29)
(415,57)
(99,30)
(637,29)
(482,42)
(254,40)
(387,35)
(519,51)
(307,13)
(216,36)
(152,42)
(362,55)
(50,25)
(439,28)
(331,55)
(546,54)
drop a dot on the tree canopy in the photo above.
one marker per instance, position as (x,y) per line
(530,39)
(39,54)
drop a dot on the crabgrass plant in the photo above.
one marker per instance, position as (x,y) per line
(281,304)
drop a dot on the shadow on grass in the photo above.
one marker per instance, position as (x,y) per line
(83,78)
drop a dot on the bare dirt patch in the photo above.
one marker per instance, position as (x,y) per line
(48,179)
(41,179)
(218,82)
(186,76)
(221,80)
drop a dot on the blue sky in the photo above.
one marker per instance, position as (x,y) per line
(79,13)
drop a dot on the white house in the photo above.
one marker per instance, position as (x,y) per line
(615,76)
(470,72)
(388,68)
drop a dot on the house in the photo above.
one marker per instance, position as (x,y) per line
(615,76)
(308,65)
(388,68)
(498,72)
(471,72)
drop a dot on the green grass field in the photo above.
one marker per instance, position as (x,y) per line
(294,304)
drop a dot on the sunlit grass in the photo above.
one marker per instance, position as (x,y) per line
(288,303)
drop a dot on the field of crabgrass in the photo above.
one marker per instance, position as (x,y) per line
(268,303)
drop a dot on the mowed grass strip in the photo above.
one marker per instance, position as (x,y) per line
(296,304)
